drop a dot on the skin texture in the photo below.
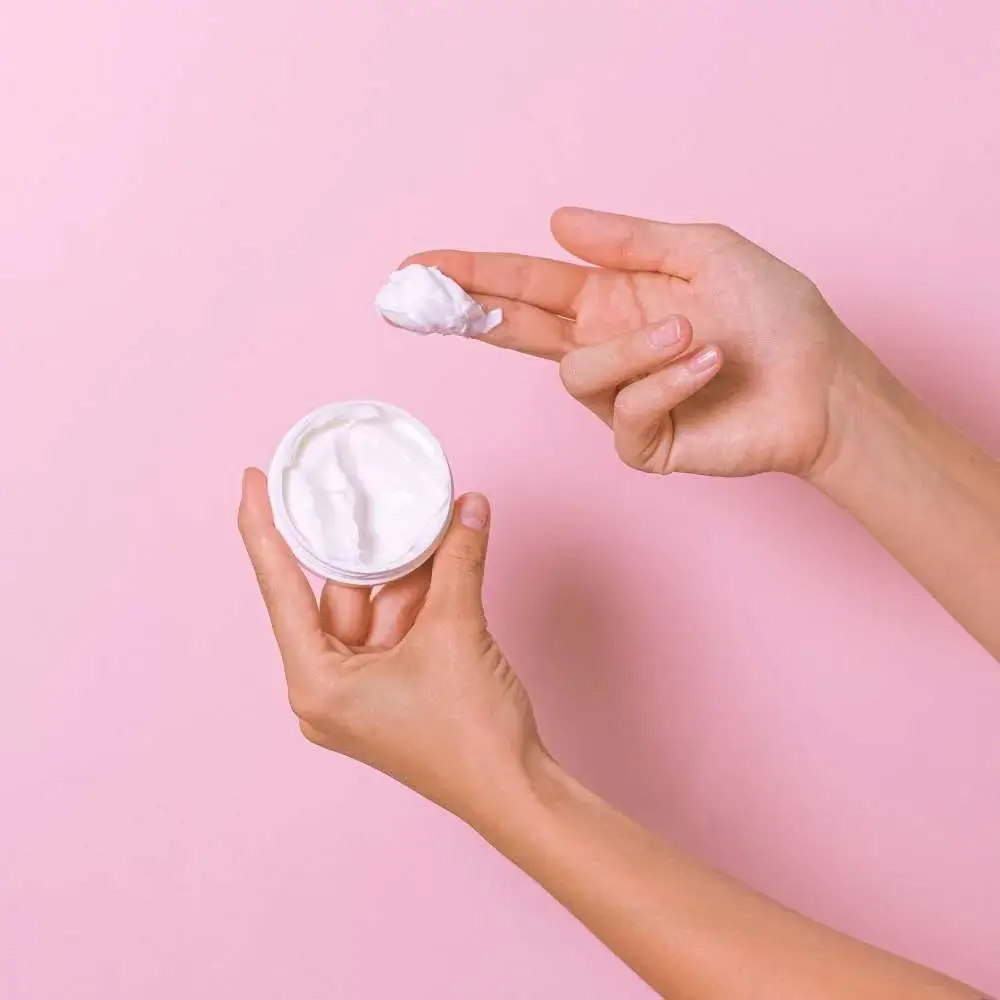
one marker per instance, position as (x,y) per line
(703,354)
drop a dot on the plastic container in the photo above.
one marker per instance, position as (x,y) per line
(426,536)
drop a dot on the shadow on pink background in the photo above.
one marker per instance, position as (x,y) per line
(197,204)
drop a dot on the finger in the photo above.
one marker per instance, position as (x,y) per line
(457,572)
(528,329)
(396,606)
(599,368)
(552,285)
(345,612)
(641,418)
(629,244)
(287,595)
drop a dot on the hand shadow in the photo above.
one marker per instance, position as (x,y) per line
(931,355)
(596,711)
(586,684)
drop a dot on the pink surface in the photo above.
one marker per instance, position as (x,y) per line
(197,204)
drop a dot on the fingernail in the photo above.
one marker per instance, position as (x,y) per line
(705,360)
(474,511)
(666,335)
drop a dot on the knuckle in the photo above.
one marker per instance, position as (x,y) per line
(628,246)
(720,234)
(523,272)
(805,288)
(311,734)
(628,453)
(467,553)
(569,375)
(309,702)
(265,585)
(630,407)
(243,521)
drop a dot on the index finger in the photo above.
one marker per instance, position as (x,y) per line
(552,285)
(291,604)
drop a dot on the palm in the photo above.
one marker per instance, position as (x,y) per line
(765,410)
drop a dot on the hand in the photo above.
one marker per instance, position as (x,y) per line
(788,365)
(409,680)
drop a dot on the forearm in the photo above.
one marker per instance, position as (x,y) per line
(688,931)
(929,495)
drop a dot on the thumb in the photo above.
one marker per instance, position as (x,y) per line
(457,572)
(624,243)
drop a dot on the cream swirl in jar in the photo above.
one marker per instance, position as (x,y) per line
(361,491)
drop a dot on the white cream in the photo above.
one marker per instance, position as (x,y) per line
(425,300)
(361,492)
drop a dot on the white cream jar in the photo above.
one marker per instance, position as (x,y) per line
(361,491)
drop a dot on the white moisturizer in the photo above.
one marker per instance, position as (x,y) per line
(362,492)
(425,300)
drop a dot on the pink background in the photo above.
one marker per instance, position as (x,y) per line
(197,204)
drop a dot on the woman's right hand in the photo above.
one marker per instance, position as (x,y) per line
(765,382)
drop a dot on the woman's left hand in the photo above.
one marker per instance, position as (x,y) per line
(410,680)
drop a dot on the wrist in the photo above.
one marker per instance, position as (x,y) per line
(520,809)
(869,410)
